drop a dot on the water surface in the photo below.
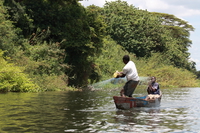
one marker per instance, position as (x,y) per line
(84,112)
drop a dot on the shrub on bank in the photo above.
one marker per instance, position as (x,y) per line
(51,83)
(13,79)
(167,75)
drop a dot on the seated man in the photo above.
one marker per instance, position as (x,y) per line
(153,87)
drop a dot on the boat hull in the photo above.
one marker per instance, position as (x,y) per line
(128,103)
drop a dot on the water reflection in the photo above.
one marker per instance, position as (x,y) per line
(95,112)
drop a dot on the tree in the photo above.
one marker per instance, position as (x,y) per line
(143,33)
(138,31)
(19,17)
(81,32)
(8,34)
(180,30)
(82,56)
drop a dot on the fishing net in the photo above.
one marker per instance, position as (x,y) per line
(143,81)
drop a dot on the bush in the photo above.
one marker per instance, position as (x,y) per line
(13,79)
(170,76)
(167,75)
(51,83)
(111,58)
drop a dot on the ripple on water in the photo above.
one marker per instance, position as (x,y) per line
(96,112)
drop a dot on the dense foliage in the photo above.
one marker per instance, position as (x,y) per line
(143,33)
(138,31)
(13,79)
(62,43)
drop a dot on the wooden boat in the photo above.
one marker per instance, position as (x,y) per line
(131,102)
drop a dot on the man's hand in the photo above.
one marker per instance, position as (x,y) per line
(119,74)
(150,87)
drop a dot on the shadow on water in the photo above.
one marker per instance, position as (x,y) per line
(94,111)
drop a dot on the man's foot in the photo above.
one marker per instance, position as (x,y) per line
(123,95)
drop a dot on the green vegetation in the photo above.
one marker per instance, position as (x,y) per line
(12,78)
(48,45)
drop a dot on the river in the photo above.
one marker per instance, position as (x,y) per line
(94,111)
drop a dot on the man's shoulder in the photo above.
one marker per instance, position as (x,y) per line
(156,83)
(131,63)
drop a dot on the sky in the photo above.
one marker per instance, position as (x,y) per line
(188,10)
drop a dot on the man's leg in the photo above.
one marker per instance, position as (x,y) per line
(122,93)
(129,87)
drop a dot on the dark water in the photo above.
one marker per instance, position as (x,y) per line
(89,112)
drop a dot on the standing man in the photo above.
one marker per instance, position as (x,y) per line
(131,74)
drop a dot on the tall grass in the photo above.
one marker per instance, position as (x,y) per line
(157,65)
